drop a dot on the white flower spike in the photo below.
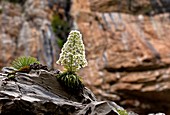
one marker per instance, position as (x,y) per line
(72,55)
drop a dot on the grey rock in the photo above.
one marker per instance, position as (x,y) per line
(39,93)
(157,114)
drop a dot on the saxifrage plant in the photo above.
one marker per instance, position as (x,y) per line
(72,57)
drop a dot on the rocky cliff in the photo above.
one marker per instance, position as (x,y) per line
(127,45)
(39,93)
(26,29)
(128,52)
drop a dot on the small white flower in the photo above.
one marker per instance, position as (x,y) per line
(72,55)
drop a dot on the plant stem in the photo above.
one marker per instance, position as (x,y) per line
(71,63)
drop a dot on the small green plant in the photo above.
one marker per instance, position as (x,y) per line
(22,64)
(23,61)
(72,57)
(122,112)
(60,28)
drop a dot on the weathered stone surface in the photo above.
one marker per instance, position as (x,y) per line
(40,93)
(26,30)
(128,55)
(131,6)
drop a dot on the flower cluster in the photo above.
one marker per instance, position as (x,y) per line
(72,55)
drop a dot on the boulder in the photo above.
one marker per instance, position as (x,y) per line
(39,93)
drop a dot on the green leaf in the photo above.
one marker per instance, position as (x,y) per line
(23,61)
(122,112)
(70,81)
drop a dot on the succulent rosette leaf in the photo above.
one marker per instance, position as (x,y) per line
(23,61)
(22,64)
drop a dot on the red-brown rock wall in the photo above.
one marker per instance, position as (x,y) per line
(128,54)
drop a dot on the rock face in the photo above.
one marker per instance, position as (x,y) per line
(128,55)
(26,30)
(131,6)
(39,93)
